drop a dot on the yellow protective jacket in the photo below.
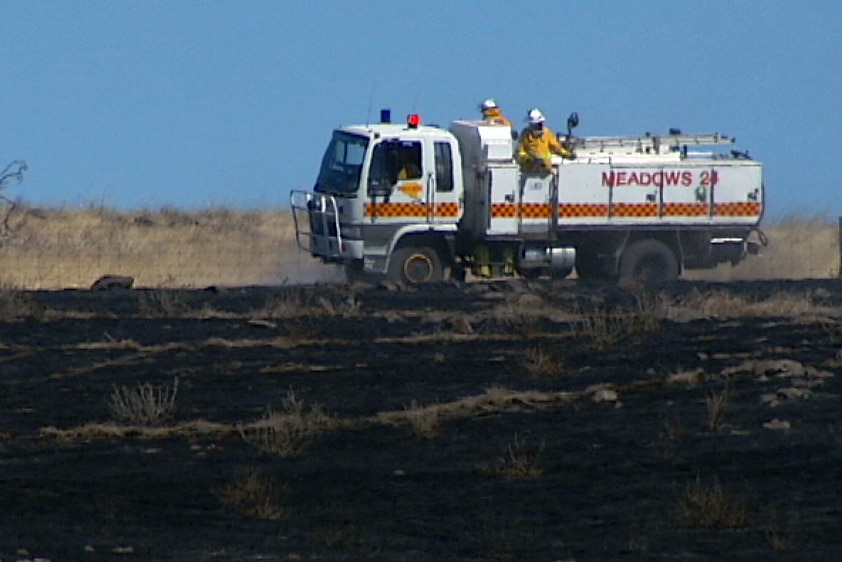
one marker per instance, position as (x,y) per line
(536,147)
(495,115)
(409,171)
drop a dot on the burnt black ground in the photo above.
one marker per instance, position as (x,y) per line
(613,472)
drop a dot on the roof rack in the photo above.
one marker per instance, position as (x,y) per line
(647,143)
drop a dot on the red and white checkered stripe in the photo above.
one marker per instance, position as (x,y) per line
(582,210)
(741,209)
(625,210)
(411,210)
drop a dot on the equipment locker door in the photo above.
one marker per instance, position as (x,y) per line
(737,193)
(500,185)
(687,193)
(583,194)
(632,201)
(535,209)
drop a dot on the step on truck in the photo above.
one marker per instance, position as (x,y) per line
(414,204)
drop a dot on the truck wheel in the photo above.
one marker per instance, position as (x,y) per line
(650,260)
(413,266)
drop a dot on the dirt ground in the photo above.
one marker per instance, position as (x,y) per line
(484,422)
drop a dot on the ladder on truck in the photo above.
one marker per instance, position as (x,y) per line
(645,144)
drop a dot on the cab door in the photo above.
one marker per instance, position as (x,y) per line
(396,192)
(442,197)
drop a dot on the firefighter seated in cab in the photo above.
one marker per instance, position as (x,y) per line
(537,145)
(492,113)
(409,158)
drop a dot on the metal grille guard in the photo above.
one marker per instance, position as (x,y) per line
(322,221)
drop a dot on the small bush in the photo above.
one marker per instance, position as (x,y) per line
(253,494)
(607,325)
(710,506)
(424,422)
(541,361)
(521,460)
(289,432)
(717,404)
(143,404)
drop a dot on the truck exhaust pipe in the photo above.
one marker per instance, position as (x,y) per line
(556,258)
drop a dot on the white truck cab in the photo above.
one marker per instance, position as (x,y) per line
(380,184)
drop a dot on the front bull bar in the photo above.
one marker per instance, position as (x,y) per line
(323,233)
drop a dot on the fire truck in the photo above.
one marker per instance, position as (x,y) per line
(413,204)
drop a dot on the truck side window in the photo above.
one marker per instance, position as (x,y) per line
(444,167)
(391,162)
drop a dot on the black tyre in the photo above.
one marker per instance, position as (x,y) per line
(649,260)
(415,265)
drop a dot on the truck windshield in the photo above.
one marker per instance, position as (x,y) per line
(342,164)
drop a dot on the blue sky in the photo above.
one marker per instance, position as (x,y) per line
(196,104)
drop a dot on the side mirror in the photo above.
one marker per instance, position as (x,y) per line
(572,123)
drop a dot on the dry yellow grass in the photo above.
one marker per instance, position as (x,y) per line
(254,494)
(71,248)
(60,248)
(521,460)
(711,506)
(799,248)
(275,430)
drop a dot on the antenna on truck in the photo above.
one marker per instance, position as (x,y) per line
(370,100)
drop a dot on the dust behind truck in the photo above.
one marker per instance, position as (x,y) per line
(415,204)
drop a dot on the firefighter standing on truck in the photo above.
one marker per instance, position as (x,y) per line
(492,113)
(537,145)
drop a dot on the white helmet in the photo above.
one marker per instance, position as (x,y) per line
(535,116)
(490,103)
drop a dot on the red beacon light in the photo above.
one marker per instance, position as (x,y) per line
(413,120)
